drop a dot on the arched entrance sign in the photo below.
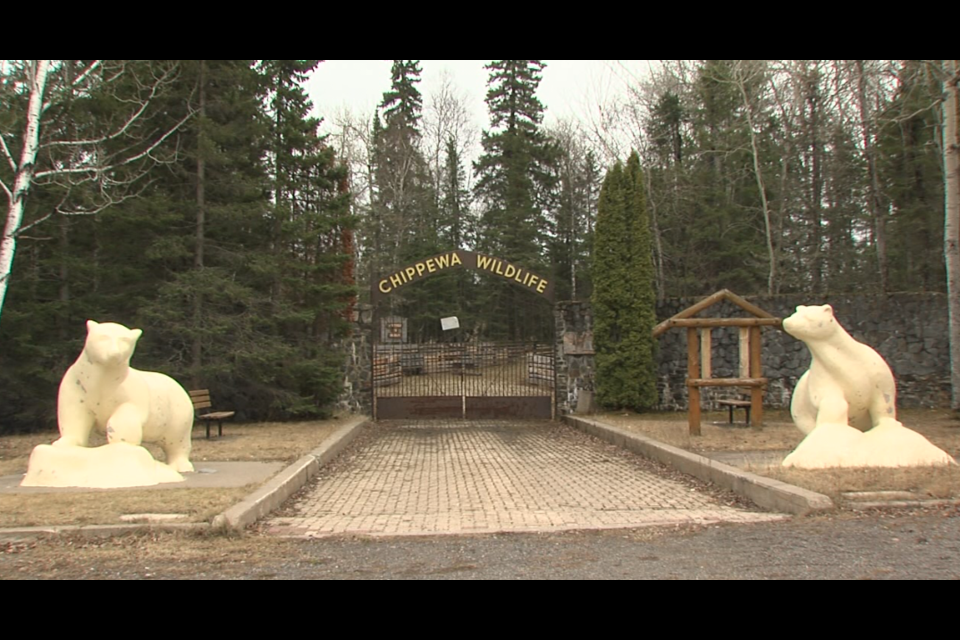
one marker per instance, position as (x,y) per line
(476,379)
(427,267)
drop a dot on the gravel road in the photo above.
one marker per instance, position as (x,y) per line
(892,545)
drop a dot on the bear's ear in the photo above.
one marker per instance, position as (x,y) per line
(91,325)
(828,309)
(135,334)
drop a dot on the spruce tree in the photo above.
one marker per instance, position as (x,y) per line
(307,257)
(515,190)
(624,302)
(407,204)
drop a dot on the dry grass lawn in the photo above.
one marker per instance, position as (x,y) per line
(778,434)
(275,441)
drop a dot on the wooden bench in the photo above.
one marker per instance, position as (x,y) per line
(733,403)
(201,400)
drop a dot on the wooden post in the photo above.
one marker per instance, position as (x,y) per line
(705,352)
(756,371)
(693,371)
(744,352)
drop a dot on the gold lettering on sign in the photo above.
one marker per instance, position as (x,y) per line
(427,266)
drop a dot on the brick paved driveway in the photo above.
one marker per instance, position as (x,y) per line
(455,477)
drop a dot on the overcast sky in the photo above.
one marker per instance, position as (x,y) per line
(569,89)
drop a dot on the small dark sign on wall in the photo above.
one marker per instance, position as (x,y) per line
(393,329)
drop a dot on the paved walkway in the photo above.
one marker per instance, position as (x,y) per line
(455,477)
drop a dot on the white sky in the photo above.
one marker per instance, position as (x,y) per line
(569,89)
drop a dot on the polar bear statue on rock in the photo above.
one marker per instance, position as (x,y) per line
(101,390)
(846,402)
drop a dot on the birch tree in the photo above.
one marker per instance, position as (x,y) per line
(951,226)
(106,159)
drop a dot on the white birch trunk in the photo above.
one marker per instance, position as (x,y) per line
(951,221)
(23,174)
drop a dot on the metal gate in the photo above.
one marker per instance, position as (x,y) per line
(463,380)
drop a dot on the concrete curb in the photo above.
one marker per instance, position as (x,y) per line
(283,485)
(764,492)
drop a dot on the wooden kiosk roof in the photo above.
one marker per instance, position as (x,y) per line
(685,319)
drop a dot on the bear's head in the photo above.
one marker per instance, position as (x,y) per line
(109,343)
(811,322)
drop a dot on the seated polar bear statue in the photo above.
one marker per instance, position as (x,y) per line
(846,402)
(101,390)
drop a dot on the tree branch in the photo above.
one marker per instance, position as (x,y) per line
(9,156)
(109,167)
(86,72)
(144,103)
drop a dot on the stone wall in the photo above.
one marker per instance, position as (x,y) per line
(574,360)
(908,330)
(356,395)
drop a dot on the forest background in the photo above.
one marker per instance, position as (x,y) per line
(196,200)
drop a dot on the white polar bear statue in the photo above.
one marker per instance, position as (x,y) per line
(102,390)
(846,402)
(847,383)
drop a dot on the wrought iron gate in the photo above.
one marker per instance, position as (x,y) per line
(463,380)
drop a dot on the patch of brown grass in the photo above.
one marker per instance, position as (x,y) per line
(149,554)
(778,433)
(100,507)
(923,482)
(273,441)
(262,441)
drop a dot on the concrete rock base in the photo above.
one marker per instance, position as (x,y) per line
(889,444)
(111,466)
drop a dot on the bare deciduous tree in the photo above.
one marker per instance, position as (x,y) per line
(108,157)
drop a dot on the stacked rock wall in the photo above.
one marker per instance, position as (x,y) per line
(909,330)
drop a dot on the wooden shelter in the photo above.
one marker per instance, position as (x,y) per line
(699,372)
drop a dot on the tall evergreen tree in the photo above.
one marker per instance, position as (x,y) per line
(407,202)
(310,215)
(624,302)
(515,190)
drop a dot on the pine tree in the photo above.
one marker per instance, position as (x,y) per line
(515,190)
(624,302)
(310,215)
(407,203)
